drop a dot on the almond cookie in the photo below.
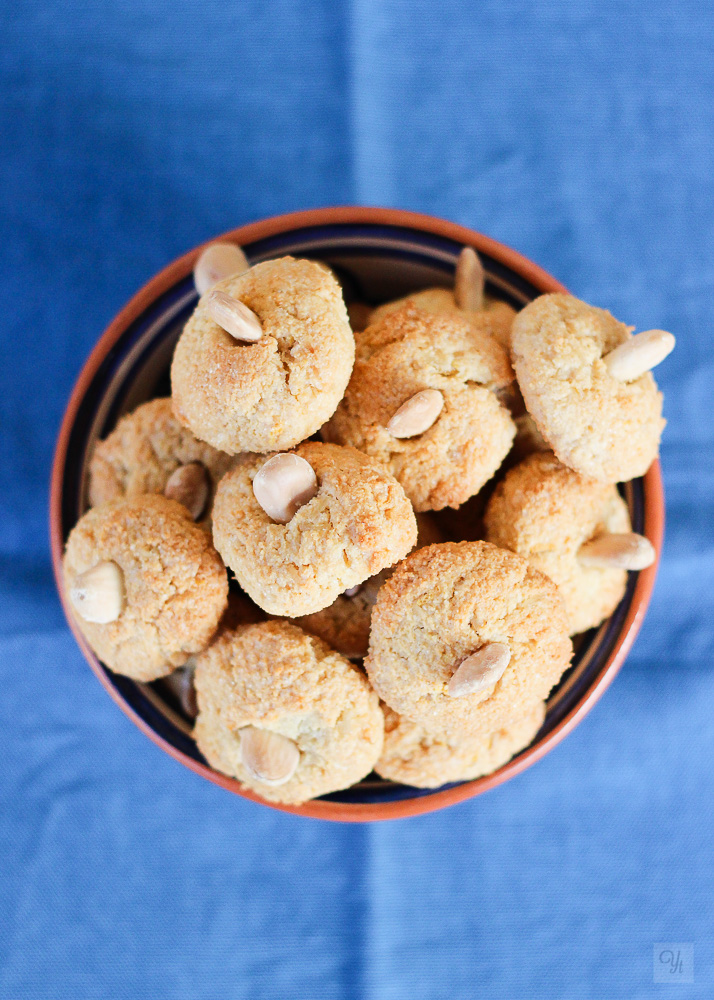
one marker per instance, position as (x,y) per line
(601,417)
(146,585)
(467,637)
(414,756)
(265,358)
(295,544)
(547,513)
(466,298)
(149,451)
(425,399)
(283,713)
(345,624)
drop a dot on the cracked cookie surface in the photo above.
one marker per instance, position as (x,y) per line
(344,625)
(446,601)
(496,318)
(358,523)
(176,587)
(275,677)
(601,427)
(409,351)
(274,393)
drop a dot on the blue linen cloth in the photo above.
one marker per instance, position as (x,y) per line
(580,133)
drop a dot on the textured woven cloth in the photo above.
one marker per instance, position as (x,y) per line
(580,133)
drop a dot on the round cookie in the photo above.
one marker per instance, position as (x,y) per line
(283,713)
(445,609)
(546,512)
(600,426)
(277,391)
(410,353)
(147,587)
(144,452)
(356,524)
(414,756)
(345,624)
(496,318)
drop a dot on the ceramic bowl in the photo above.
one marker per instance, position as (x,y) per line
(380,254)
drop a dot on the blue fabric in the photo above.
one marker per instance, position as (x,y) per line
(581,134)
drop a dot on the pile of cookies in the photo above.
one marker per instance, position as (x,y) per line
(332,460)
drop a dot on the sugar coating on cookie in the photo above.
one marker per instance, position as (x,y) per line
(175,585)
(409,352)
(344,625)
(446,602)
(358,523)
(601,427)
(276,392)
(546,512)
(144,450)
(414,756)
(496,318)
(274,678)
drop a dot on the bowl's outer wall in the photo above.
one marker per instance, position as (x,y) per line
(180,269)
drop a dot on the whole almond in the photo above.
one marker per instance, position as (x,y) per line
(639,354)
(268,757)
(234,317)
(617,551)
(284,484)
(218,261)
(98,593)
(469,281)
(417,414)
(181,685)
(190,486)
(480,670)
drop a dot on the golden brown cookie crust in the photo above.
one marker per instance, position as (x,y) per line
(175,583)
(274,676)
(345,624)
(358,523)
(410,350)
(602,428)
(272,394)
(143,451)
(545,512)
(414,756)
(496,319)
(443,603)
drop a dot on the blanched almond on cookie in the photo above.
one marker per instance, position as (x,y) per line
(639,354)
(618,551)
(284,484)
(469,282)
(189,486)
(98,594)
(218,261)
(269,757)
(234,317)
(481,670)
(417,415)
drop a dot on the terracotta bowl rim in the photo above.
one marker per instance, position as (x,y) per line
(346,215)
